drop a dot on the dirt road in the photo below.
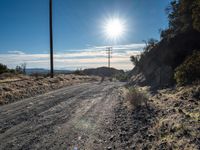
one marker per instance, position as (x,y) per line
(74,117)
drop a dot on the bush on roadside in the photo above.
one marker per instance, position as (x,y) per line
(189,70)
(136,98)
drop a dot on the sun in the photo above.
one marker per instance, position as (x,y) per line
(114,28)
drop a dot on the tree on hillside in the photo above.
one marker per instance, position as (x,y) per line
(21,68)
(151,43)
(3,68)
(18,69)
(134,59)
(183,16)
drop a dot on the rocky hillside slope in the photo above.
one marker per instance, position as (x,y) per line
(157,67)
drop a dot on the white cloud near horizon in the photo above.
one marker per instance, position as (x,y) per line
(91,57)
(16,52)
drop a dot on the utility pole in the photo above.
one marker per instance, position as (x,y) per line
(109,51)
(51,38)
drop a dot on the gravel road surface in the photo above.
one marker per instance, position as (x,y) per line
(74,117)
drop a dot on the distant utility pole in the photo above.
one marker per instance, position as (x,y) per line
(51,38)
(109,51)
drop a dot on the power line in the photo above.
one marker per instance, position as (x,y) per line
(51,38)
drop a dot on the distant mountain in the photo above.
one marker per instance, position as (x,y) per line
(44,71)
(103,71)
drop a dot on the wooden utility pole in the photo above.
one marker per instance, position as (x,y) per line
(51,38)
(109,51)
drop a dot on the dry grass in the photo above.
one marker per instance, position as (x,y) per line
(29,86)
(9,77)
(172,120)
(136,98)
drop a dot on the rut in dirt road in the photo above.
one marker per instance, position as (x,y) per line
(67,118)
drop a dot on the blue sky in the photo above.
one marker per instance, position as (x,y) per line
(24,31)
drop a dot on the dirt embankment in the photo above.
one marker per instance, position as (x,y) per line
(13,89)
(171,122)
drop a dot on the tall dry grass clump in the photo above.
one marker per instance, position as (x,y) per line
(136,98)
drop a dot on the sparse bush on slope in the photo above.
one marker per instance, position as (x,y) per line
(189,70)
(136,98)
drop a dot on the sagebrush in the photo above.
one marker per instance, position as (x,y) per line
(136,98)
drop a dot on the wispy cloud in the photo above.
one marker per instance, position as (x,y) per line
(117,48)
(16,52)
(91,57)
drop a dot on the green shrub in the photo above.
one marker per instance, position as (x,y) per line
(189,70)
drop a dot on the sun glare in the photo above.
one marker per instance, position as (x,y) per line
(114,28)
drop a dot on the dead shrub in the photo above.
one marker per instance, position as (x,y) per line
(136,98)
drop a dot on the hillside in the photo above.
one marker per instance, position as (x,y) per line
(103,71)
(157,65)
